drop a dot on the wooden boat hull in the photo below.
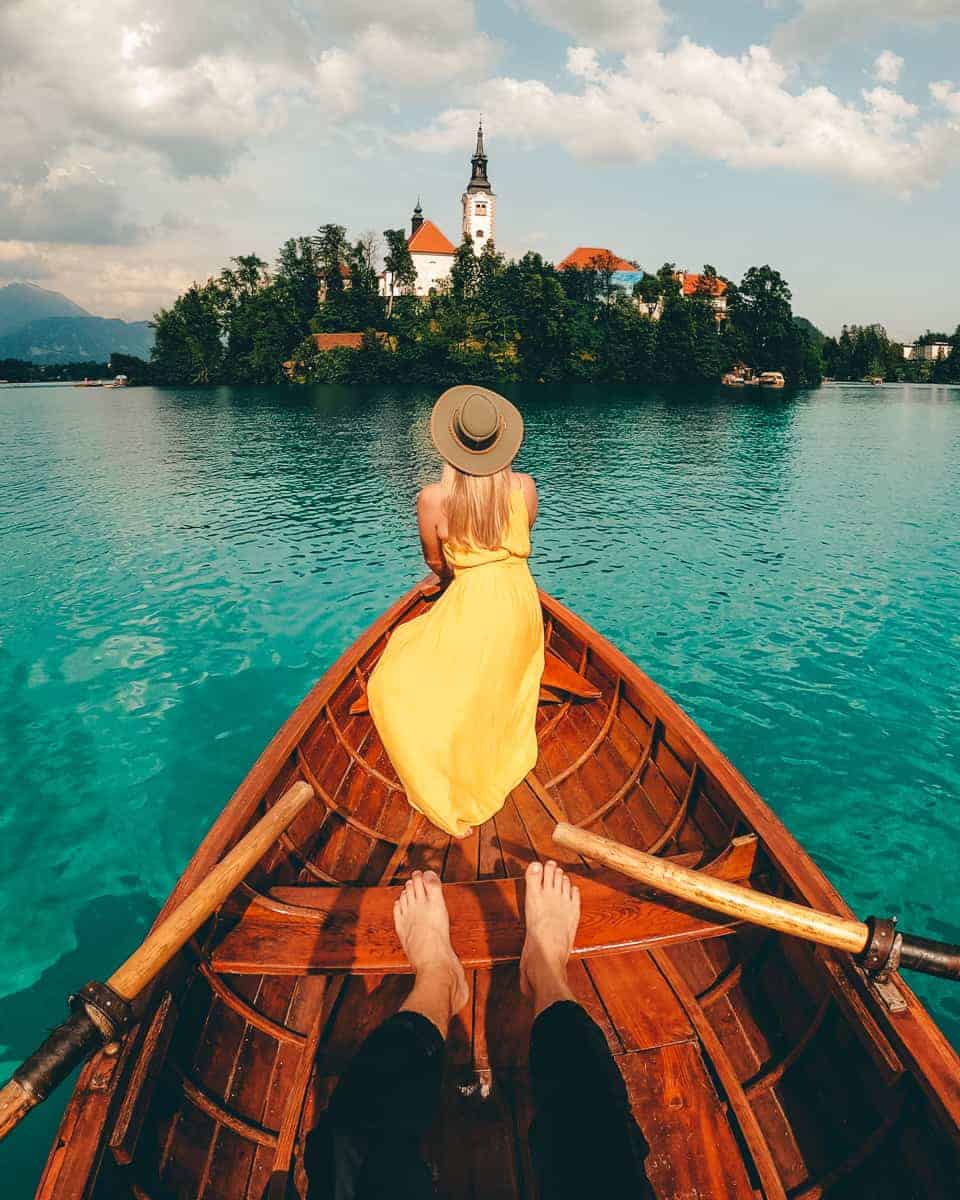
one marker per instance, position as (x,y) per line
(756,1065)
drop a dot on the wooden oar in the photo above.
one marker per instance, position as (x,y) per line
(101,1012)
(876,942)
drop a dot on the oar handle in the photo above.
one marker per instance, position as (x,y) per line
(717,894)
(878,944)
(101,1012)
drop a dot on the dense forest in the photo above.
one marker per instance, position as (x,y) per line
(495,320)
(862,352)
(18,370)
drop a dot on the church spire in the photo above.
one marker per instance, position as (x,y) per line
(478,175)
(417,219)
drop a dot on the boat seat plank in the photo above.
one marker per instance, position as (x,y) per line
(297,930)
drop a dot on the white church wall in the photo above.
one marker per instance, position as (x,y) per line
(479,217)
(432,269)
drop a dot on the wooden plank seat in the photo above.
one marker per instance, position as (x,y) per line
(307,929)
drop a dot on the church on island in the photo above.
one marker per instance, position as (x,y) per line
(431,250)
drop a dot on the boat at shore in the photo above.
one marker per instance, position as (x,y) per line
(772,379)
(740,375)
(757,1065)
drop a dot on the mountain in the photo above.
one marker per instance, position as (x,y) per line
(23,302)
(76,339)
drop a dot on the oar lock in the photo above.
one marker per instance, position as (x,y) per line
(109,1011)
(881,955)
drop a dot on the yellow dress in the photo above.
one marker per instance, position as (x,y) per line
(454,695)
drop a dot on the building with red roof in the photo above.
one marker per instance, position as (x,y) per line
(702,285)
(595,258)
(705,287)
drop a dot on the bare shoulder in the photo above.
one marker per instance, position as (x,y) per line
(430,502)
(529,488)
(430,497)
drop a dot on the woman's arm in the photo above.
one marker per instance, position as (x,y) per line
(429,512)
(531,499)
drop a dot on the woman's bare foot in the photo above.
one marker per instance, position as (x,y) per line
(552,913)
(423,926)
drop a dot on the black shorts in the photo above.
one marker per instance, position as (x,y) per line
(583,1139)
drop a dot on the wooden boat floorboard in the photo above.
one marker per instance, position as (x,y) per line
(756,1066)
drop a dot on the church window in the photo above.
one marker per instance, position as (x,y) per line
(481,208)
(479,233)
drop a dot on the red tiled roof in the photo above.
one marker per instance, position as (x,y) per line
(429,240)
(693,284)
(352,341)
(596,257)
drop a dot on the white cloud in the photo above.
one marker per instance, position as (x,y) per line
(71,204)
(887,67)
(821,24)
(197,84)
(620,26)
(739,110)
(21,260)
(946,95)
(413,58)
(889,108)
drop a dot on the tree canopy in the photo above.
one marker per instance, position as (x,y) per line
(493,320)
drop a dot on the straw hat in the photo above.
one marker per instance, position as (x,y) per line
(476,430)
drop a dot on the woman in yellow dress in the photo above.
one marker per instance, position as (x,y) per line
(454,695)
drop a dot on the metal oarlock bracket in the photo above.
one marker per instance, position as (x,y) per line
(110,1012)
(880,959)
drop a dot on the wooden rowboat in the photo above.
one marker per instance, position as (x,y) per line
(757,1065)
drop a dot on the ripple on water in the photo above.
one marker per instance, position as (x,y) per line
(179,567)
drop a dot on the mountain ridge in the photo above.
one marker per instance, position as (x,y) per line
(42,326)
(21,303)
(55,340)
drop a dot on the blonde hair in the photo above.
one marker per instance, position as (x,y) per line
(476,507)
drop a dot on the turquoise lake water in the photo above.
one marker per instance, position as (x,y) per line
(177,567)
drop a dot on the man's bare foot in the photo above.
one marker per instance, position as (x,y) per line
(552,913)
(423,926)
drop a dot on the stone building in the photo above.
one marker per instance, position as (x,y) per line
(431,250)
(478,201)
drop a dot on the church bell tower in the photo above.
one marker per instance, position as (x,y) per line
(479,202)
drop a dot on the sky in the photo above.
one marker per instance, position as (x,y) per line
(142,145)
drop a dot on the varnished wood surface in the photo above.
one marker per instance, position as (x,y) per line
(756,1066)
(354,931)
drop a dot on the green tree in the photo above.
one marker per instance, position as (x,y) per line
(761,309)
(297,273)
(674,361)
(362,304)
(464,274)
(331,247)
(188,345)
(669,283)
(629,344)
(649,289)
(541,309)
(137,370)
(398,263)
